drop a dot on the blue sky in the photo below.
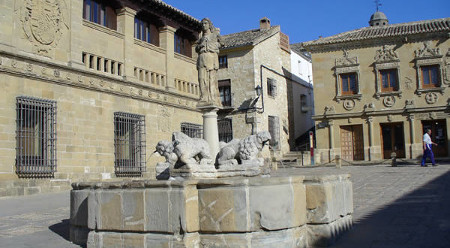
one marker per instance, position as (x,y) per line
(307,20)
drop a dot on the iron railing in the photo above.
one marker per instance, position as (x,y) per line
(129,144)
(35,137)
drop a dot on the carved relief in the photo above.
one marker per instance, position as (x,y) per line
(427,51)
(346,60)
(433,115)
(389,118)
(389,101)
(29,67)
(447,73)
(386,54)
(369,107)
(329,110)
(164,123)
(349,104)
(408,83)
(56,73)
(409,103)
(44,22)
(431,97)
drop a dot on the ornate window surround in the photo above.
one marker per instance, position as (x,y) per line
(347,65)
(429,56)
(386,58)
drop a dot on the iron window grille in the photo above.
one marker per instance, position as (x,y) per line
(225,130)
(129,144)
(35,137)
(192,130)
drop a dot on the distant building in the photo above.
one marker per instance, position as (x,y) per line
(89,87)
(377,88)
(301,104)
(253,84)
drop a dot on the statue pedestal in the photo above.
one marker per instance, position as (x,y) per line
(210,129)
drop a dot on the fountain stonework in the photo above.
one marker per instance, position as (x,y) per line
(212,194)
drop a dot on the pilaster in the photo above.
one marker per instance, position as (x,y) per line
(125,25)
(167,39)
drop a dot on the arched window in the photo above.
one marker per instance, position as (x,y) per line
(100,12)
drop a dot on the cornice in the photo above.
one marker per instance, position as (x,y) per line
(47,71)
(102,29)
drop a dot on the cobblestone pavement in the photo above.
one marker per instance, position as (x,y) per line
(405,206)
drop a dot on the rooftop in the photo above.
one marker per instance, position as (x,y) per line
(409,28)
(250,37)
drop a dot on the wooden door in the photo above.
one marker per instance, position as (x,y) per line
(392,136)
(352,143)
(438,136)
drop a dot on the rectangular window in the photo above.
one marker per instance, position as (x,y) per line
(304,103)
(182,45)
(35,137)
(223,62)
(99,12)
(225,130)
(430,76)
(389,80)
(225,92)
(192,130)
(274,130)
(271,87)
(349,82)
(143,31)
(129,144)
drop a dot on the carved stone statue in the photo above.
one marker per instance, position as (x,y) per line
(165,148)
(208,63)
(189,150)
(237,151)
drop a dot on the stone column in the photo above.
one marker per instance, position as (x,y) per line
(411,135)
(370,124)
(125,25)
(210,129)
(331,139)
(167,39)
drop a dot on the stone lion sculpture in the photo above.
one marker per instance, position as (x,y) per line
(247,149)
(190,150)
(165,148)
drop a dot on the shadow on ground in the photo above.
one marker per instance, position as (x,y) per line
(62,229)
(419,219)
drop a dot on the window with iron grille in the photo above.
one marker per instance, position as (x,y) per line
(225,130)
(129,144)
(192,130)
(35,137)
(274,130)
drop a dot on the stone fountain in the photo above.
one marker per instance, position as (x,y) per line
(212,194)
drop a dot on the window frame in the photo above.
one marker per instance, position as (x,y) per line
(428,56)
(223,61)
(129,148)
(349,92)
(346,65)
(192,130)
(100,13)
(272,87)
(225,128)
(431,84)
(225,86)
(41,113)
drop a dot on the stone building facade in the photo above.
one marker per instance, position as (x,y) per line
(89,87)
(377,88)
(253,80)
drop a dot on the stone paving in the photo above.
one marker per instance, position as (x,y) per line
(405,206)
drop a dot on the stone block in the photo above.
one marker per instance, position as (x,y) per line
(324,235)
(328,198)
(78,235)
(79,208)
(32,190)
(133,210)
(109,215)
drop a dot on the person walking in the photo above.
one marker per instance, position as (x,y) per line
(427,152)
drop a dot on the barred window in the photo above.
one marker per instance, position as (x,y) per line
(274,130)
(225,130)
(192,130)
(129,144)
(35,137)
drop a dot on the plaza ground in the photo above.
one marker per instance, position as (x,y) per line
(404,206)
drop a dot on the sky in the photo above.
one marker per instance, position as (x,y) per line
(305,20)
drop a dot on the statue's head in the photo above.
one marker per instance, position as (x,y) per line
(164,146)
(207,24)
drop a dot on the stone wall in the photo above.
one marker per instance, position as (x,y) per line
(258,212)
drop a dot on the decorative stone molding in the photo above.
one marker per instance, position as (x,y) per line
(369,107)
(386,54)
(389,118)
(103,29)
(387,65)
(346,60)
(427,51)
(349,104)
(431,97)
(389,101)
(369,120)
(408,83)
(409,104)
(329,110)
(433,115)
(411,117)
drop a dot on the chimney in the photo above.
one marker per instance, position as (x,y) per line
(264,23)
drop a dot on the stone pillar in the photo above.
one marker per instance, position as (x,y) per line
(76,48)
(411,135)
(167,39)
(370,124)
(125,25)
(331,139)
(210,129)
